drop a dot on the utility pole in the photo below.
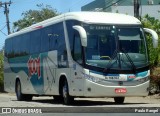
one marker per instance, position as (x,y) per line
(6,12)
(136,8)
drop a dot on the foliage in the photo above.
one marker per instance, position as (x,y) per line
(154,56)
(34,16)
(1,71)
(152,23)
(155,80)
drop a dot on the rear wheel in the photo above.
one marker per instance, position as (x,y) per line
(119,100)
(20,96)
(18,91)
(65,93)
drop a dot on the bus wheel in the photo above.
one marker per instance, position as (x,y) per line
(119,100)
(67,98)
(20,96)
(18,91)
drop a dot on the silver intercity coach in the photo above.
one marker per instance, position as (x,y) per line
(79,54)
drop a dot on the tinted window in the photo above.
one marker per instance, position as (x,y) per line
(25,44)
(77,49)
(35,42)
(16,45)
(70,30)
(57,40)
(42,40)
(8,48)
(46,34)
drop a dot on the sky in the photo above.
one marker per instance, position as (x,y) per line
(19,6)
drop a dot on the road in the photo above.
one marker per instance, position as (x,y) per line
(9,100)
(82,105)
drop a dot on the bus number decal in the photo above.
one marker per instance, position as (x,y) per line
(34,67)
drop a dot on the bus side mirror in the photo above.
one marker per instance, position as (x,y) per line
(154,36)
(82,33)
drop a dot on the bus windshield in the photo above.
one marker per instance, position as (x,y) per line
(115,47)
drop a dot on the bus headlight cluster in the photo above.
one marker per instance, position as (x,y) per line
(91,78)
(143,79)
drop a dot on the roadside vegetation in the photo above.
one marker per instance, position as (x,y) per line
(154,53)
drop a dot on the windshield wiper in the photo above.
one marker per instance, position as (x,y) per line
(130,60)
(114,56)
(109,64)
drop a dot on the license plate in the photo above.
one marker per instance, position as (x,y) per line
(116,78)
(120,90)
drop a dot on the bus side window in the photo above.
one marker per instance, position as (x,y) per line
(8,48)
(77,52)
(35,38)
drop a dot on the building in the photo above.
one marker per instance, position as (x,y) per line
(150,7)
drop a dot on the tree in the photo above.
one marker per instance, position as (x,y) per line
(152,23)
(154,56)
(34,16)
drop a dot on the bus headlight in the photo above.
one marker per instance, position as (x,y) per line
(142,80)
(91,78)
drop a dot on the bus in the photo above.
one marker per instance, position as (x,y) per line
(79,54)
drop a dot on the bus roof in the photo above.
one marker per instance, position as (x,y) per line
(87,17)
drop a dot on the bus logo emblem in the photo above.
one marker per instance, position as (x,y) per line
(34,67)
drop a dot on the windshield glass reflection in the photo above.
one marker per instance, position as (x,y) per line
(115,47)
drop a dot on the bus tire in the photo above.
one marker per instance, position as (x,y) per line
(119,100)
(18,91)
(65,93)
(20,96)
